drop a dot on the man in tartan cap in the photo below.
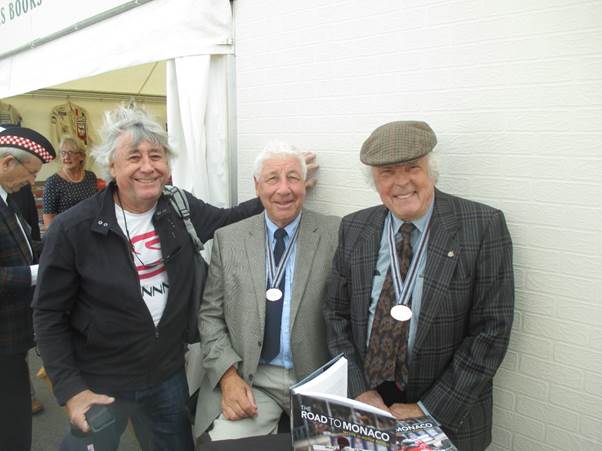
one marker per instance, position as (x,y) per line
(22,153)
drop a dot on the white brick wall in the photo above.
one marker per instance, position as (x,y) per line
(514,91)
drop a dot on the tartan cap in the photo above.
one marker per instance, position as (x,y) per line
(28,140)
(398,142)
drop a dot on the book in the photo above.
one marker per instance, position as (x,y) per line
(324,419)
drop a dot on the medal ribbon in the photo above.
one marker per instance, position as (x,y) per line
(275,274)
(403,290)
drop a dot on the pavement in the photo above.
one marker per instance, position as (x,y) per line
(50,425)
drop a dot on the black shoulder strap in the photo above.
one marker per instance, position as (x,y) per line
(178,200)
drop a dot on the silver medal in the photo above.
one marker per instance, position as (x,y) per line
(401,312)
(273,294)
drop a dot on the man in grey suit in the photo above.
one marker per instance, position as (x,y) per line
(424,314)
(261,319)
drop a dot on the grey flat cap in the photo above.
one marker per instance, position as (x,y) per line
(398,142)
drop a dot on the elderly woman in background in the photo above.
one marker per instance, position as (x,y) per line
(71,184)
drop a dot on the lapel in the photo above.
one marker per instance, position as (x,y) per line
(13,226)
(440,266)
(364,259)
(254,239)
(307,246)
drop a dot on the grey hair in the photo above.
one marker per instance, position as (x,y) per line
(278,149)
(19,154)
(432,161)
(68,139)
(131,121)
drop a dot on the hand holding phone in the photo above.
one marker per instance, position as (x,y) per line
(98,418)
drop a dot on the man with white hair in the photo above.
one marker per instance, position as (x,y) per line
(22,153)
(422,292)
(116,289)
(261,318)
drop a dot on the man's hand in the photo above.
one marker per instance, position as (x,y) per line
(405,411)
(78,405)
(373,398)
(312,168)
(238,401)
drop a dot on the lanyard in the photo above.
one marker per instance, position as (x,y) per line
(403,290)
(275,274)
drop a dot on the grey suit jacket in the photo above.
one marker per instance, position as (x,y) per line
(465,318)
(232,314)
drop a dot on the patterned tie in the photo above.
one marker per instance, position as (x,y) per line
(385,359)
(273,311)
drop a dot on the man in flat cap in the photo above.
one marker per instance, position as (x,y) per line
(422,292)
(22,153)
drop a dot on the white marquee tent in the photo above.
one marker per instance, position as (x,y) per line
(53,42)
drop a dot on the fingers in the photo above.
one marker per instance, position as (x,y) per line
(405,411)
(102,399)
(311,182)
(233,411)
(250,406)
(238,401)
(309,157)
(373,398)
(312,168)
(238,409)
(78,405)
(79,421)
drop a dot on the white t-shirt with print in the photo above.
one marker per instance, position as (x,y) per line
(146,251)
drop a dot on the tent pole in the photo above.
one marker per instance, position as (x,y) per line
(232,129)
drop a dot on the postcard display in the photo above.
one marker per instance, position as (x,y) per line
(324,419)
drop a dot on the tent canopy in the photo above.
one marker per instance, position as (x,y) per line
(192,36)
(154,31)
(146,79)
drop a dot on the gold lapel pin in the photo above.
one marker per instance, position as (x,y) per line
(450,254)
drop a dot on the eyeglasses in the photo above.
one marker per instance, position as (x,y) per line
(34,174)
(68,153)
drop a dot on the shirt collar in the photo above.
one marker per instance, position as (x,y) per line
(420,223)
(290,228)
(4,195)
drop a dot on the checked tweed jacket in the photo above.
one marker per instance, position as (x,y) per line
(16,332)
(465,318)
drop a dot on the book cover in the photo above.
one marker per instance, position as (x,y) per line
(324,419)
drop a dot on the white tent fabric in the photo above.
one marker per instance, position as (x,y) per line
(197,119)
(194,36)
(156,31)
(185,32)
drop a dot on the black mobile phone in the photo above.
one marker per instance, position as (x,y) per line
(98,417)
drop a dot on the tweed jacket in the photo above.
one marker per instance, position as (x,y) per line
(232,314)
(16,331)
(465,318)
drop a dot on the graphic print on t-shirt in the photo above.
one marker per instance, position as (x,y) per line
(146,252)
(147,246)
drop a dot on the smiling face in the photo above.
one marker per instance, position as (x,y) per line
(407,189)
(281,188)
(71,156)
(140,172)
